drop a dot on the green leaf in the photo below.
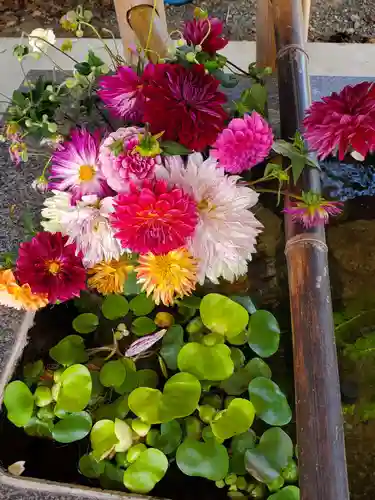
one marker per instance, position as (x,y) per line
(39,428)
(172,344)
(103,439)
(19,99)
(287,493)
(179,399)
(33,371)
(75,389)
(143,326)
(269,401)
(142,475)
(69,351)
(131,287)
(124,435)
(110,411)
(141,305)
(227,80)
(85,323)
(238,383)
(115,306)
(245,301)
(112,477)
(171,148)
(253,99)
(94,60)
(222,315)
(206,362)
(83,68)
(147,378)
(112,374)
(239,339)
(263,333)
(238,357)
(298,159)
(209,460)
(190,301)
(273,453)
(169,437)
(74,427)
(236,419)
(19,403)
(239,445)
(256,367)
(90,468)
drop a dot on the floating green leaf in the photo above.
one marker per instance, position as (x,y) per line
(238,357)
(117,409)
(112,477)
(33,371)
(287,493)
(222,315)
(19,403)
(256,367)
(273,453)
(85,323)
(131,287)
(90,468)
(172,343)
(269,401)
(239,445)
(209,460)
(103,439)
(245,302)
(143,326)
(236,419)
(142,305)
(75,389)
(142,475)
(179,399)
(113,374)
(169,437)
(74,427)
(124,435)
(69,351)
(39,428)
(115,306)
(238,383)
(206,362)
(190,301)
(263,333)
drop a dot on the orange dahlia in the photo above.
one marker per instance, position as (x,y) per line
(110,277)
(19,296)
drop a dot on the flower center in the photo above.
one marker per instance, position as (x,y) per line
(206,205)
(53,266)
(86,173)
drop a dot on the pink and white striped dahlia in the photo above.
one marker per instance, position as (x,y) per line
(75,166)
(120,162)
(122,94)
(225,237)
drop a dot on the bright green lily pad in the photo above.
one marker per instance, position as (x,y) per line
(236,419)
(75,389)
(113,374)
(287,493)
(209,460)
(69,351)
(103,439)
(85,323)
(90,468)
(39,428)
(143,326)
(263,333)
(142,475)
(206,362)
(269,401)
(115,307)
(141,305)
(169,437)
(223,315)
(172,343)
(74,427)
(19,403)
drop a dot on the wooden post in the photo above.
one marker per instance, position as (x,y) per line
(134,18)
(320,436)
(306,7)
(265,35)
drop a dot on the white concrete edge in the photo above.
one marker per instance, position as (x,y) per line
(325,59)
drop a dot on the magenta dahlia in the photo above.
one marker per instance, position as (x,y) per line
(343,122)
(51,267)
(154,218)
(121,163)
(122,94)
(313,210)
(184,103)
(208,33)
(75,166)
(244,143)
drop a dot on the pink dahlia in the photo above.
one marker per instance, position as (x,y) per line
(75,166)
(244,143)
(184,103)
(313,210)
(122,94)
(154,218)
(208,33)
(51,267)
(121,164)
(343,121)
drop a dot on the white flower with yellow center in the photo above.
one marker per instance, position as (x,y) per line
(39,37)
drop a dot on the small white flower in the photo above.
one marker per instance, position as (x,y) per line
(56,209)
(37,37)
(225,237)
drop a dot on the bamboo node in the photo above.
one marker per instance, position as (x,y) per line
(305,239)
(291,49)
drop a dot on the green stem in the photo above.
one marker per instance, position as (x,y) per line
(238,68)
(108,50)
(56,48)
(262,179)
(285,193)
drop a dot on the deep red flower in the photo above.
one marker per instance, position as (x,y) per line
(343,121)
(205,32)
(184,103)
(154,218)
(50,266)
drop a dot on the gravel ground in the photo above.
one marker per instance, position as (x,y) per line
(331,20)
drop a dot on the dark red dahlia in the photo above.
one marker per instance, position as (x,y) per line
(154,218)
(184,103)
(51,266)
(208,33)
(343,122)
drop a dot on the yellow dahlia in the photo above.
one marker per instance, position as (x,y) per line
(110,277)
(19,296)
(167,276)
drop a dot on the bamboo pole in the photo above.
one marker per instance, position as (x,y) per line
(265,35)
(140,23)
(306,8)
(320,436)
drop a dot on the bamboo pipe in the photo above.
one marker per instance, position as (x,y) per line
(134,18)
(320,436)
(306,8)
(265,35)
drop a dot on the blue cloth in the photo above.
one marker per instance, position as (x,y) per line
(177,2)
